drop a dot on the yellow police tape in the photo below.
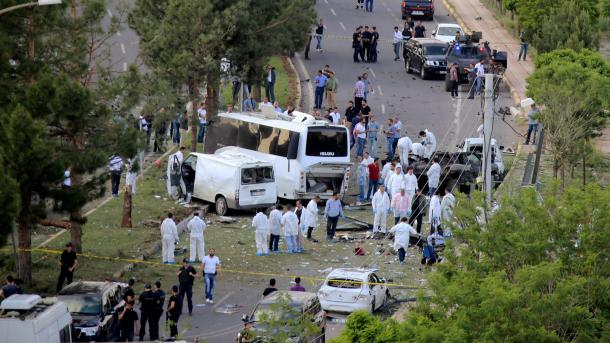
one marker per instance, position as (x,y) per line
(234,271)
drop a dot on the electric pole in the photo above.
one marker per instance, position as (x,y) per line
(487,129)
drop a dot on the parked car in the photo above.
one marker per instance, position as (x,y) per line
(304,302)
(94,307)
(446,32)
(422,8)
(425,56)
(349,289)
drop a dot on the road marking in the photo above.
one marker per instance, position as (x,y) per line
(223,299)
(379,89)
(388,9)
(384,4)
(124,66)
(123,48)
(372,72)
(458,112)
(333,12)
(118,33)
(383,108)
(109,13)
(326,2)
(342,26)
(393,14)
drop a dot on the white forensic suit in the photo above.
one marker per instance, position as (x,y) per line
(402,232)
(396,182)
(169,237)
(381,207)
(404,147)
(430,144)
(410,185)
(418,150)
(447,205)
(261,233)
(290,222)
(435,211)
(196,227)
(434,176)
(311,214)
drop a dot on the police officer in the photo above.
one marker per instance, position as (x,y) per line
(148,311)
(154,334)
(366,45)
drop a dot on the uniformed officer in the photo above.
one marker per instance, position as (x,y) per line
(148,311)
(154,335)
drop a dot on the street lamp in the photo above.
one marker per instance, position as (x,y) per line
(30,4)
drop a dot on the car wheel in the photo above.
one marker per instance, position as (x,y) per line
(408,65)
(422,73)
(221,205)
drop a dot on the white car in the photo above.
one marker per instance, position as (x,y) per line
(446,32)
(346,290)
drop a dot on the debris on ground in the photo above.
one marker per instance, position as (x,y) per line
(228,308)
(226,220)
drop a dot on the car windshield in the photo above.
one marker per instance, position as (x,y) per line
(435,50)
(272,313)
(344,283)
(448,31)
(82,303)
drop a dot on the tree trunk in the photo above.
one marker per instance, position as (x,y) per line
(76,217)
(126,222)
(256,92)
(194,90)
(212,97)
(24,242)
(584,167)
(555,168)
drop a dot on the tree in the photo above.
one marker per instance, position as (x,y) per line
(532,13)
(283,321)
(567,26)
(573,87)
(537,271)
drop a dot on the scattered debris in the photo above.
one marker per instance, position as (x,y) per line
(157,197)
(226,220)
(228,308)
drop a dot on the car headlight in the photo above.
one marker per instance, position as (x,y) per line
(430,63)
(89,331)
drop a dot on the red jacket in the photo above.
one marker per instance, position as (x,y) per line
(373,172)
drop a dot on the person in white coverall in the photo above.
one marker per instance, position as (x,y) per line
(404,234)
(261,231)
(275,228)
(169,237)
(290,222)
(410,183)
(434,176)
(429,142)
(311,216)
(447,205)
(418,150)
(196,227)
(404,148)
(381,207)
(435,212)
(396,181)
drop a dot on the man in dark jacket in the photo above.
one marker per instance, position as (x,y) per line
(418,210)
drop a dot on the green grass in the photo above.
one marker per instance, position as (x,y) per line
(282,91)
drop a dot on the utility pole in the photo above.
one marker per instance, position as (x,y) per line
(487,128)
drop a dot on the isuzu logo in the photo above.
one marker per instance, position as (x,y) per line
(327,153)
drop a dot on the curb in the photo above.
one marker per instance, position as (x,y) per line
(297,100)
(516,97)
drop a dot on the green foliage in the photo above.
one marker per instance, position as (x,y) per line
(9,202)
(567,26)
(510,5)
(362,327)
(283,321)
(537,270)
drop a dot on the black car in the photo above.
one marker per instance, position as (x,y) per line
(425,56)
(417,8)
(467,50)
(94,307)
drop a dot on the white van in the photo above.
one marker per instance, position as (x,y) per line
(230,180)
(29,318)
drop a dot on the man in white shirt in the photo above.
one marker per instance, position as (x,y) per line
(434,176)
(410,183)
(275,228)
(265,102)
(381,207)
(202,113)
(211,268)
(404,147)
(429,142)
(169,237)
(335,116)
(397,40)
(360,134)
(196,226)
(290,222)
(404,234)
(480,71)
(261,231)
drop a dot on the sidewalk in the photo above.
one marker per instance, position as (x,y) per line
(466,13)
